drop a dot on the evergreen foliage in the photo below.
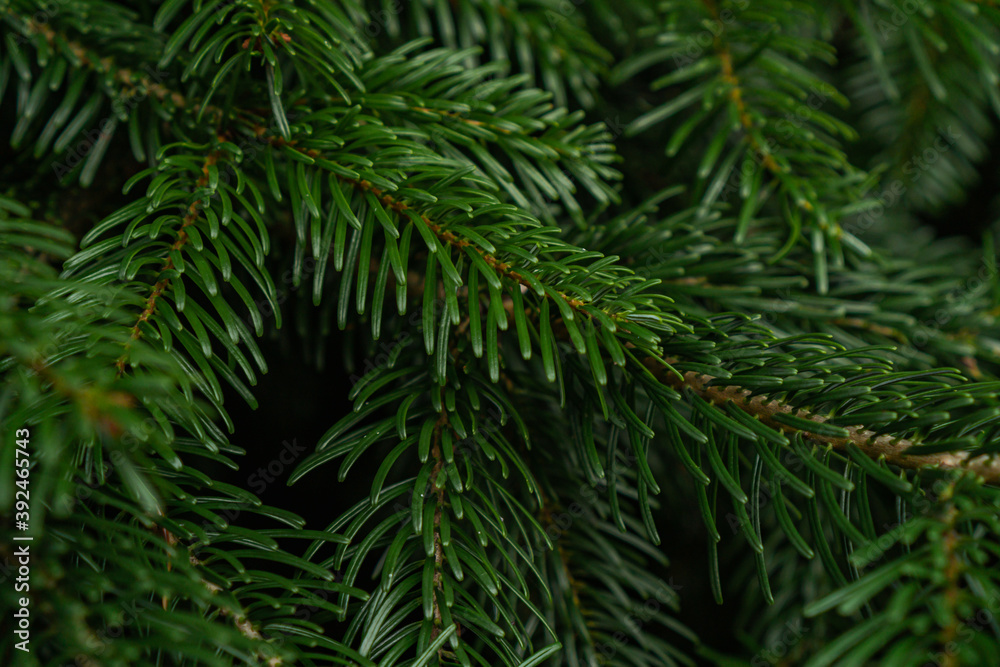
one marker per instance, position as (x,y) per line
(603,274)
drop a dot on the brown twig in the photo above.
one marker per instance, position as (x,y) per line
(892,449)
(161,285)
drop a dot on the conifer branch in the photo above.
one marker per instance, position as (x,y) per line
(127,77)
(893,450)
(423,187)
(953,570)
(736,95)
(398,206)
(439,556)
(161,285)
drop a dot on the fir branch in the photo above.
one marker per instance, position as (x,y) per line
(736,98)
(438,556)
(163,284)
(952,580)
(420,172)
(892,450)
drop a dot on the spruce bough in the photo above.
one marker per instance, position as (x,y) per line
(609,279)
